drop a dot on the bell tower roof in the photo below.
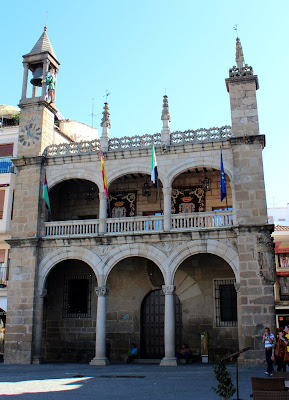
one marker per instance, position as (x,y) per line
(43,45)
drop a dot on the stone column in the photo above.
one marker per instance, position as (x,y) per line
(100,343)
(25,81)
(167,192)
(38,326)
(102,212)
(44,85)
(169,359)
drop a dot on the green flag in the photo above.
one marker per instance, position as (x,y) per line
(45,193)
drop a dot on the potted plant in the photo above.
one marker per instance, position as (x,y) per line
(225,388)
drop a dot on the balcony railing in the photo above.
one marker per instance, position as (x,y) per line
(6,165)
(87,227)
(145,224)
(3,276)
(215,219)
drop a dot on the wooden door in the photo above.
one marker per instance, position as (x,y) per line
(152,324)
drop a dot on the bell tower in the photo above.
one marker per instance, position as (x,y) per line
(36,132)
(39,110)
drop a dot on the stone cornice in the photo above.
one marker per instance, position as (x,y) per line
(24,242)
(242,79)
(241,229)
(25,161)
(204,234)
(37,101)
(254,139)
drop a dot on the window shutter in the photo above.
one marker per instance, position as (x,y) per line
(6,150)
(2,198)
(2,255)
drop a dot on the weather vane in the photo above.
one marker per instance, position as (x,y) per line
(107,93)
(235,27)
(92,113)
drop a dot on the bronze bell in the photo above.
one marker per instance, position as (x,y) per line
(37,77)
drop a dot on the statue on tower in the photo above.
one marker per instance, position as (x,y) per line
(51,81)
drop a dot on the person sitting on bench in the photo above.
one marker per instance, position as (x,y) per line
(184,353)
(132,353)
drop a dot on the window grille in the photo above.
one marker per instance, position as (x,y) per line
(225,302)
(77,296)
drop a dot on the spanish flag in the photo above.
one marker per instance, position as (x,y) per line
(103,173)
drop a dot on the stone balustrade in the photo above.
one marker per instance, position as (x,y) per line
(201,135)
(143,224)
(87,227)
(214,219)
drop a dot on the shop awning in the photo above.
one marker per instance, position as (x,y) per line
(282,246)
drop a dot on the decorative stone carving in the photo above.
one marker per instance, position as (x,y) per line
(101,290)
(133,142)
(202,135)
(168,289)
(236,72)
(237,286)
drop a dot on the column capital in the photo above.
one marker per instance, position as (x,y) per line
(167,190)
(102,196)
(101,290)
(168,289)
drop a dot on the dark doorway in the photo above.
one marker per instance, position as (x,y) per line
(152,324)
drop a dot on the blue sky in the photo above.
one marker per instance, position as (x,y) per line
(137,49)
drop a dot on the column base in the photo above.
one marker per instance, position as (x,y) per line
(36,360)
(99,361)
(169,362)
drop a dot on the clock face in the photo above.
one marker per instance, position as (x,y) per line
(31,134)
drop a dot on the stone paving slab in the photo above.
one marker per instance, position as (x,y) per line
(116,381)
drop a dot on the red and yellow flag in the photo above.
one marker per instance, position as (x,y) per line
(103,173)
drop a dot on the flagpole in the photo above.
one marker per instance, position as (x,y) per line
(158,187)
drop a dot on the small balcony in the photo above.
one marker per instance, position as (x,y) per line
(3,276)
(6,165)
(140,225)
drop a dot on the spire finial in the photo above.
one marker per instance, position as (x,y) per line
(105,122)
(166,113)
(239,54)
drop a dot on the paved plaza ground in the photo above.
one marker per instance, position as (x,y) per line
(116,381)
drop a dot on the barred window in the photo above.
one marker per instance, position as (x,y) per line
(225,302)
(77,296)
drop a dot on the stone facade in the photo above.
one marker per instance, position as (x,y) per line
(198,255)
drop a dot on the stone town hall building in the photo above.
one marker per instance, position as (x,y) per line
(100,273)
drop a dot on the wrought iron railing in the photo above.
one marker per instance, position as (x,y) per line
(6,165)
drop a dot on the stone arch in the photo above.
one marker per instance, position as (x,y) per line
(211,246)
(68,253)
(57,176)
(134,168)
(135,250)
(209,162)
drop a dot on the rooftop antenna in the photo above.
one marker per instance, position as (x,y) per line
(92,112)
(235,27)
(107,93)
